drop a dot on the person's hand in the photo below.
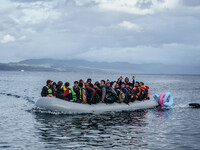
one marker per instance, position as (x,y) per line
(121,78)
(133,78)
(84,102)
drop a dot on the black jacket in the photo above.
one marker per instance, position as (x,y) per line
(44,92)
(59,92)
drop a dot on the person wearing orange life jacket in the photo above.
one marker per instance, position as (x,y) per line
(126,81)
(97,88)
(137,90)
(47,90)
(145,91)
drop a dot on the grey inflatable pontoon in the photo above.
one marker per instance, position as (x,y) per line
(59,105)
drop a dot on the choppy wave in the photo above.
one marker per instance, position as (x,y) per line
(172,128)
(29,99)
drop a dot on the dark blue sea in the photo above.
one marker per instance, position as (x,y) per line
(22,127)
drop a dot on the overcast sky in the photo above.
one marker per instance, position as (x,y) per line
(136,31)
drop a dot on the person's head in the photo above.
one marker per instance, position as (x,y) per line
(54,85)
(118,80)
(108,84)
(121,78)
(86,84)
(112,84)
(136,84)
(141,83)
(59,84)
(103,82)
(126,79)
(97,84)
(49,83)
(123,85)
(80,84)
(67,84)
(76,83)
(107,81)
(130,85)
(117,86)
(89,80)
(81,81)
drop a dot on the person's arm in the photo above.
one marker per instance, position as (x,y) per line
(136,91)
(133,81)
(145,94)
(66,92)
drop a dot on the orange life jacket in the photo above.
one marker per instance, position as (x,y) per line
(137,94)
(126,82)
(143,87)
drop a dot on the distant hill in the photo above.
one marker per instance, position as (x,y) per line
(18,67)
(87,66)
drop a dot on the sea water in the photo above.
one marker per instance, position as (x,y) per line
(24,127)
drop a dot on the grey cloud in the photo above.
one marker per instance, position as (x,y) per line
(191,2)
(84,30)
(30,1)
(143,4)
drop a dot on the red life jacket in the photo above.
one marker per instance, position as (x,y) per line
(55,91)
(66,92)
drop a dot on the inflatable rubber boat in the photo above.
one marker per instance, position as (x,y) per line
(67,107)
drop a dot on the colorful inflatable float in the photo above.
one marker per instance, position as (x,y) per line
(164,100)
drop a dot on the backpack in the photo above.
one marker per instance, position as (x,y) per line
(111,95)
(121,96)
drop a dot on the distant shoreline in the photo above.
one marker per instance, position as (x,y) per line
(56,65)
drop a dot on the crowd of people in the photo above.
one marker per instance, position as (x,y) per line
(103,92)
